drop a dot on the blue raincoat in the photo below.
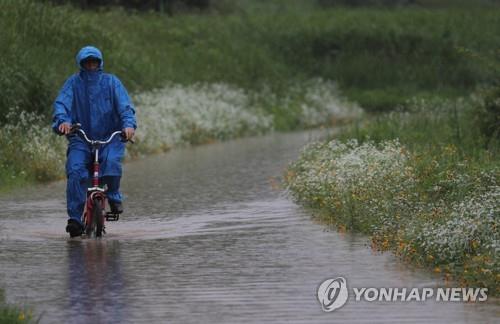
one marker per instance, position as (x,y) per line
(101,104)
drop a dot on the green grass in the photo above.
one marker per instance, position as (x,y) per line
(427,123)
(380,56)
(11,314)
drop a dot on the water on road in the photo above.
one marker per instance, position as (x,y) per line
(207,238)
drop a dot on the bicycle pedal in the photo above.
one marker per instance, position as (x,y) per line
(111,217)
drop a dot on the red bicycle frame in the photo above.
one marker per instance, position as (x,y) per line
(96,196)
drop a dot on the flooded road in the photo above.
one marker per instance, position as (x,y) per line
(206,238)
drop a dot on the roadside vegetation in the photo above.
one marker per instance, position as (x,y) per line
(12,314)
(422,180)
(418,182)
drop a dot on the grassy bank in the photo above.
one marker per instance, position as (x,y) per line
(379,56)
(419,182)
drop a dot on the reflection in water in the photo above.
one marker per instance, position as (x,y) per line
(95,282)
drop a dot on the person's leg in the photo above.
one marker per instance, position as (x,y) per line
(111,162)
(113,193)
(78,177)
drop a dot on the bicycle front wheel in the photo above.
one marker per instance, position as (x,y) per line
(97,217)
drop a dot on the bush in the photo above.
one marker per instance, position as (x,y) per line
(172,116)
(488,115)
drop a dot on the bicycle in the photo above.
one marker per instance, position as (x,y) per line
(94,214)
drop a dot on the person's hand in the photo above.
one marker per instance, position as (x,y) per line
(129,133)
(65,128)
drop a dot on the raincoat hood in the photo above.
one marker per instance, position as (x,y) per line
(86,52)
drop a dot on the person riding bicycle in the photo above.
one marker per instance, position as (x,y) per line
(100,103)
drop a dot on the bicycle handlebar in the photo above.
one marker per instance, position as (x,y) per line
(76,128)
